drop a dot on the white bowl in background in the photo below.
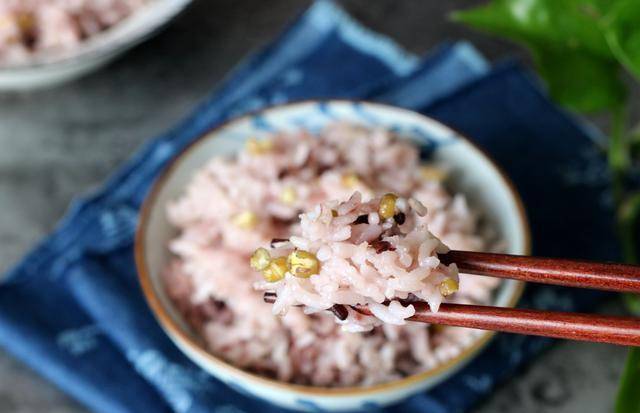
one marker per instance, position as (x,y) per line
(98,50)
(473,173)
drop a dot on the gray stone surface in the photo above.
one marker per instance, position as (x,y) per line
(60,142)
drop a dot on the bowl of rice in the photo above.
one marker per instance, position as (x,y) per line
(270,182)
(46,42)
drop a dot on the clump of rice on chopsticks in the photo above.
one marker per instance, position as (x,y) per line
(373,253)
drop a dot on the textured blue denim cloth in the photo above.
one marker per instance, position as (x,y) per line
(73,310)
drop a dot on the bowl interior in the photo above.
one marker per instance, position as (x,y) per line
(472,174)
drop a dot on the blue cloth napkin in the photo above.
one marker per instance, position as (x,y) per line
(73,310)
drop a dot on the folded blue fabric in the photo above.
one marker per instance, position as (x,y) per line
(73,310)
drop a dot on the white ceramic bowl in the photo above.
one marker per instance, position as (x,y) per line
(95,52)
(473,174)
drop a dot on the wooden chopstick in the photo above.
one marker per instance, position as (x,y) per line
(572,326)
(565,272)
(619,330)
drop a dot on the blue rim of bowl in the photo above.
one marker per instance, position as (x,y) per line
(176,332)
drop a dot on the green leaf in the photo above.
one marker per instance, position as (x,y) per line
(579,81)
(566,24)
(628,400)
(622,32)
(568,43)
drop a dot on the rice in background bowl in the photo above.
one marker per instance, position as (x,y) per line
(66,54)
(502,209)
(32,30)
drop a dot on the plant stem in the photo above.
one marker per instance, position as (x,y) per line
(632,302)
(628,399)
(628,214)
(618,153)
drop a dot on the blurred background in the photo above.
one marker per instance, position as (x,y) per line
(59,142)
